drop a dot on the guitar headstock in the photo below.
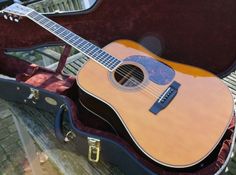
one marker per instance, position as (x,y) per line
(15,11)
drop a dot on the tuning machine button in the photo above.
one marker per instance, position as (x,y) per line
(11,18)
(5,16)
(16,19)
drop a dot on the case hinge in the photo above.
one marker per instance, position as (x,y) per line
(94,149)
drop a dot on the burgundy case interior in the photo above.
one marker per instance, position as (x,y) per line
(200,33)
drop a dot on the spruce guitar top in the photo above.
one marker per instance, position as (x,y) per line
(174,114)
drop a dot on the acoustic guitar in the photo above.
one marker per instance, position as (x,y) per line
(174,114)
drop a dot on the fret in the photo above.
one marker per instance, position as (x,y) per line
(117,62)
(97,53)
(85,49)
(93,49)
(32,14)
(112,66)
(78,41)
(69,36)
(46,22)
(50,24)
(74,39)
(102,62)
(86,46)
(108,60)
(82,43)
(64,33)
(113,60)
(90,48)
(43,21)
(82,47)
(101,56)
(38,17)
(57,29)
(60,31)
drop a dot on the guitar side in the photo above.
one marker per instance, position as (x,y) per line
(170,136)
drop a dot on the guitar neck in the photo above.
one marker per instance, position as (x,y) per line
(84,46)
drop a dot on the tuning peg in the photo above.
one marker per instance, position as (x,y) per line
(5,16)
(16,19)
(11,18)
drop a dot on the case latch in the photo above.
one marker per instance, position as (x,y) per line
(34,94)
(94,149)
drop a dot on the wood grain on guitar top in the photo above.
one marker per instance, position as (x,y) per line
(182,134)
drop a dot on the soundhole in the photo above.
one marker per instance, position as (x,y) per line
(129,75)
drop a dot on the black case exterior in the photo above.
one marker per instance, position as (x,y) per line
(111,151)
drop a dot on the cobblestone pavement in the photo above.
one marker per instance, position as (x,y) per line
(11,152)
(12,156)
(40,126)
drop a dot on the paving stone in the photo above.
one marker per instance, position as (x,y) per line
(1,150)
(3,158)
(9,140)
(2,105)
(232,167)
(5,113)
(16,156)
(4,133)
(6,122)
(19,169)
(6,168)
(12,128)
(13,147)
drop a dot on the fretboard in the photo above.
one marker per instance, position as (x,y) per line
(84,46)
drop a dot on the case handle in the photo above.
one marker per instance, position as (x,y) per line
(58,126)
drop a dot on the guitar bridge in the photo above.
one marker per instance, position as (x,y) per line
(166,97)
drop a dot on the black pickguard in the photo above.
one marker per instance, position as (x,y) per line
(159,72)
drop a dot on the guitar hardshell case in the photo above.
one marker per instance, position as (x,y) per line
(200,33)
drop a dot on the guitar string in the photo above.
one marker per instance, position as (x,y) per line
(151,88)
(155,91)
(43,17)
(152,91)
(141,76)
(141,85)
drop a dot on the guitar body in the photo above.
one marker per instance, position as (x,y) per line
(180,135)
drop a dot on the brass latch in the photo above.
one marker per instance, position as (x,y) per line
(94,149)
(34,94)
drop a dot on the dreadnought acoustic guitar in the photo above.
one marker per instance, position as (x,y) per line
(173,113)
